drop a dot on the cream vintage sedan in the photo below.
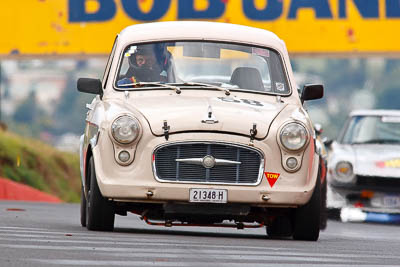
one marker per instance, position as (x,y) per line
(200,123)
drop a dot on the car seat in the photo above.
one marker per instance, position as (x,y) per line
(247,78)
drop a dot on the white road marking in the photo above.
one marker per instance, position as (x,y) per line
(226,250)
(39,233)
(218,255)
(165,253)
(177,264)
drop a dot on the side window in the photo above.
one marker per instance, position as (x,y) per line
(109,61)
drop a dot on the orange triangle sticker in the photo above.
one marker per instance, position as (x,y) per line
(272,177)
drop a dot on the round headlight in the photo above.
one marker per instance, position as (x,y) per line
(344,171)
(125,129)
(293,136)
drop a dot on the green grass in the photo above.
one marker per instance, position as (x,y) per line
(39,165)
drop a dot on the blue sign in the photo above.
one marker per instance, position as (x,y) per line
(368,9)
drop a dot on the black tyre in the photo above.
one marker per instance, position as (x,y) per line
(83,208)
(281,227)
(100,211)
(307,217)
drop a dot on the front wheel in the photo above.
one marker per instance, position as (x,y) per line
(100,211)
(307,217)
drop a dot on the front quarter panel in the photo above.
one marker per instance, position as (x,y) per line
(94,117)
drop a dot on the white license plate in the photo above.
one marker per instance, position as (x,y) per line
(391,201)
(208,195)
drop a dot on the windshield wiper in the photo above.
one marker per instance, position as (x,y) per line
(175,86)
(226,90)
(142,84)
(378,141)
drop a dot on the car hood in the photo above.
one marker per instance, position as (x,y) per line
(190,113)
(377,160)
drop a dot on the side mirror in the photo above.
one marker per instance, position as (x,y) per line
(328,142)
(90,86)
(312,91)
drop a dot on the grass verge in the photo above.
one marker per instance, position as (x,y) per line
(39,165)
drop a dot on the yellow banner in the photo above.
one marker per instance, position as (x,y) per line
(88,27)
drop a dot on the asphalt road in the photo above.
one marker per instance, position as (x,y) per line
(42,234)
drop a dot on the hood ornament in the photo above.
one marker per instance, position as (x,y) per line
(253,133)
(210,118)
(166,128)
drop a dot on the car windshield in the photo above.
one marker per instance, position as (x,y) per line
(206,65)
(373,130)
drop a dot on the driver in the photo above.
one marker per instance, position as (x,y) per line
(143,67)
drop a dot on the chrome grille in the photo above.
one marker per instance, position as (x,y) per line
(168,169)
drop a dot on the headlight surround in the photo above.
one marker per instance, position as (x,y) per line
(293,136)
(125,129)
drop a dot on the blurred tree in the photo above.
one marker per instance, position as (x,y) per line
(4,83)
(28,111)
(70,112)
(389,86)
(389,99)
(391,64)
(344,75)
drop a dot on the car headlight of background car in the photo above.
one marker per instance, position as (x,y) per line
(125,130)
(344,172)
